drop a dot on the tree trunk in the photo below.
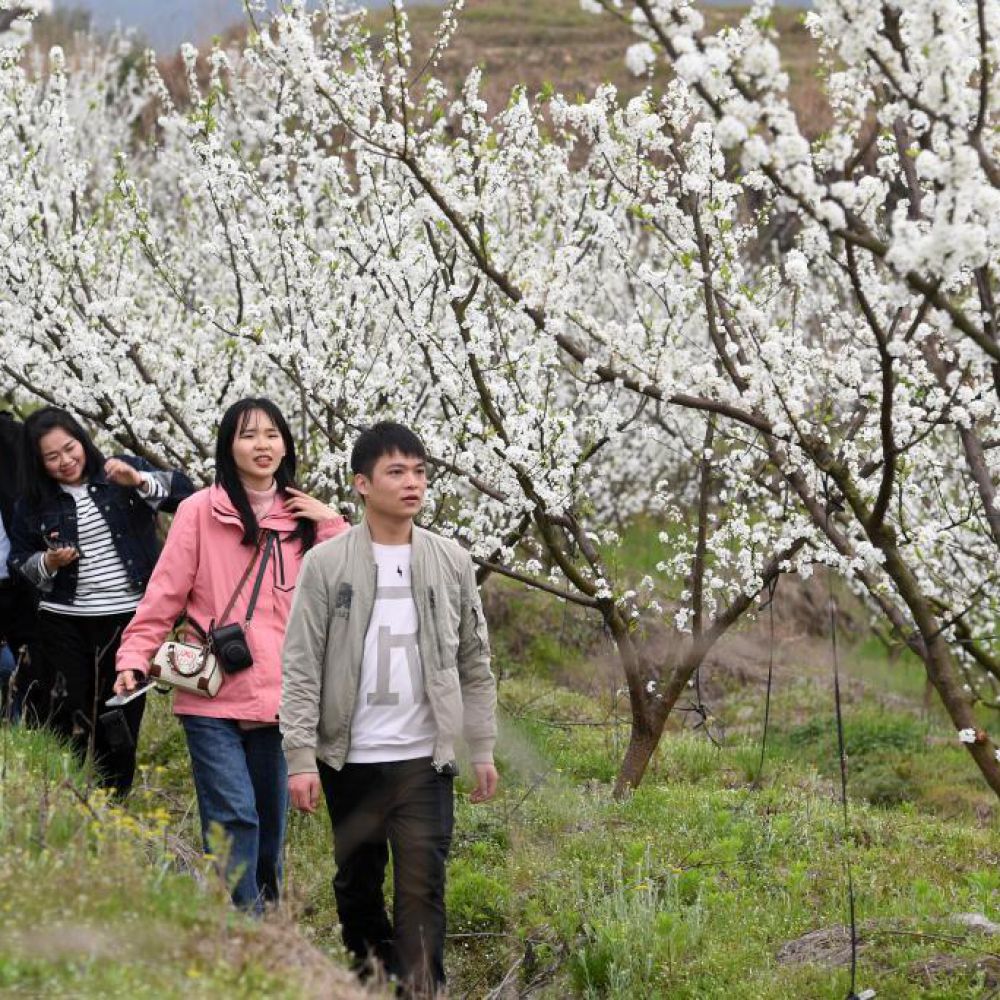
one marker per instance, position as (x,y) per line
(650,707)
(639,675)
(942,673)
(641,746)
(940,665)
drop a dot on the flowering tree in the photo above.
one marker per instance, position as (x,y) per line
(855,391)
(575,304)
(856,369)
(867,358)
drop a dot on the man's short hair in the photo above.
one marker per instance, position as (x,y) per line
(384,438)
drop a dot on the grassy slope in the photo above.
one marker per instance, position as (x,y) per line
(689,889)
(97,901)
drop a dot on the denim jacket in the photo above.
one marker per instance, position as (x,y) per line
(130,517)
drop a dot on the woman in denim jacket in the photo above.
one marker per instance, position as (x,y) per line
(84,535)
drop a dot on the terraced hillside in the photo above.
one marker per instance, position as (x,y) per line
(555,42)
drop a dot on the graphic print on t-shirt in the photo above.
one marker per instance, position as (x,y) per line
(385,644)
(392,715)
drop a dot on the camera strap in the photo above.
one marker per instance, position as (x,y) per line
(255,593)
(268,546)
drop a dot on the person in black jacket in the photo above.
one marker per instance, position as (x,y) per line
(84,535)
(17,599)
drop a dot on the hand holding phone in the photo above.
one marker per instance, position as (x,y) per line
(128,680)
(116,701)
(59,554)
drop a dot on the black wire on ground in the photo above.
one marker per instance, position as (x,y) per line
(848,868)
(704,713)
(772,588)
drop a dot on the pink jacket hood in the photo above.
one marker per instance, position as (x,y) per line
(201,564)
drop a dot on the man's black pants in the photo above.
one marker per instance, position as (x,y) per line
(407,806)
(74,666)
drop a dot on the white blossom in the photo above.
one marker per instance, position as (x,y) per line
(639,58)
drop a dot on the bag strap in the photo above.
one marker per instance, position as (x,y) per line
(185,618)
(268,546)
(255,593)
(243,579)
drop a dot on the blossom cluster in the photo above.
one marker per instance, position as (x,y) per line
(674,306)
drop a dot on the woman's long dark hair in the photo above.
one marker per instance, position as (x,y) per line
(233,422)
(36,484)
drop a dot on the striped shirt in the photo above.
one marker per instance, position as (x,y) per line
(103,586)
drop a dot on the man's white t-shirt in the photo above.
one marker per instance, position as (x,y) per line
(392,715)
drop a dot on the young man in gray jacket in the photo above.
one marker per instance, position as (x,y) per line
(386,663)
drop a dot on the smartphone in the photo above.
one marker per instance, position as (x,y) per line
(118,700)
(55,544)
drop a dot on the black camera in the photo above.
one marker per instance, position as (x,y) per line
(229,643)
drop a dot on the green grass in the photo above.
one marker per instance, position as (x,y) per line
(901,674)
(101,901)
(688,889)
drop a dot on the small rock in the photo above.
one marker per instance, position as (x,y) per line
(829,947)
(934,969)
(977,922)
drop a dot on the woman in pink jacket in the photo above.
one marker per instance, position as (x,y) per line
(236,759)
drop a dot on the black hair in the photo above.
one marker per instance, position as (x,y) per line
(384,438)
(234,420)
(36,484)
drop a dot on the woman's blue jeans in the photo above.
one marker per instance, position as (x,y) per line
(242,785)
